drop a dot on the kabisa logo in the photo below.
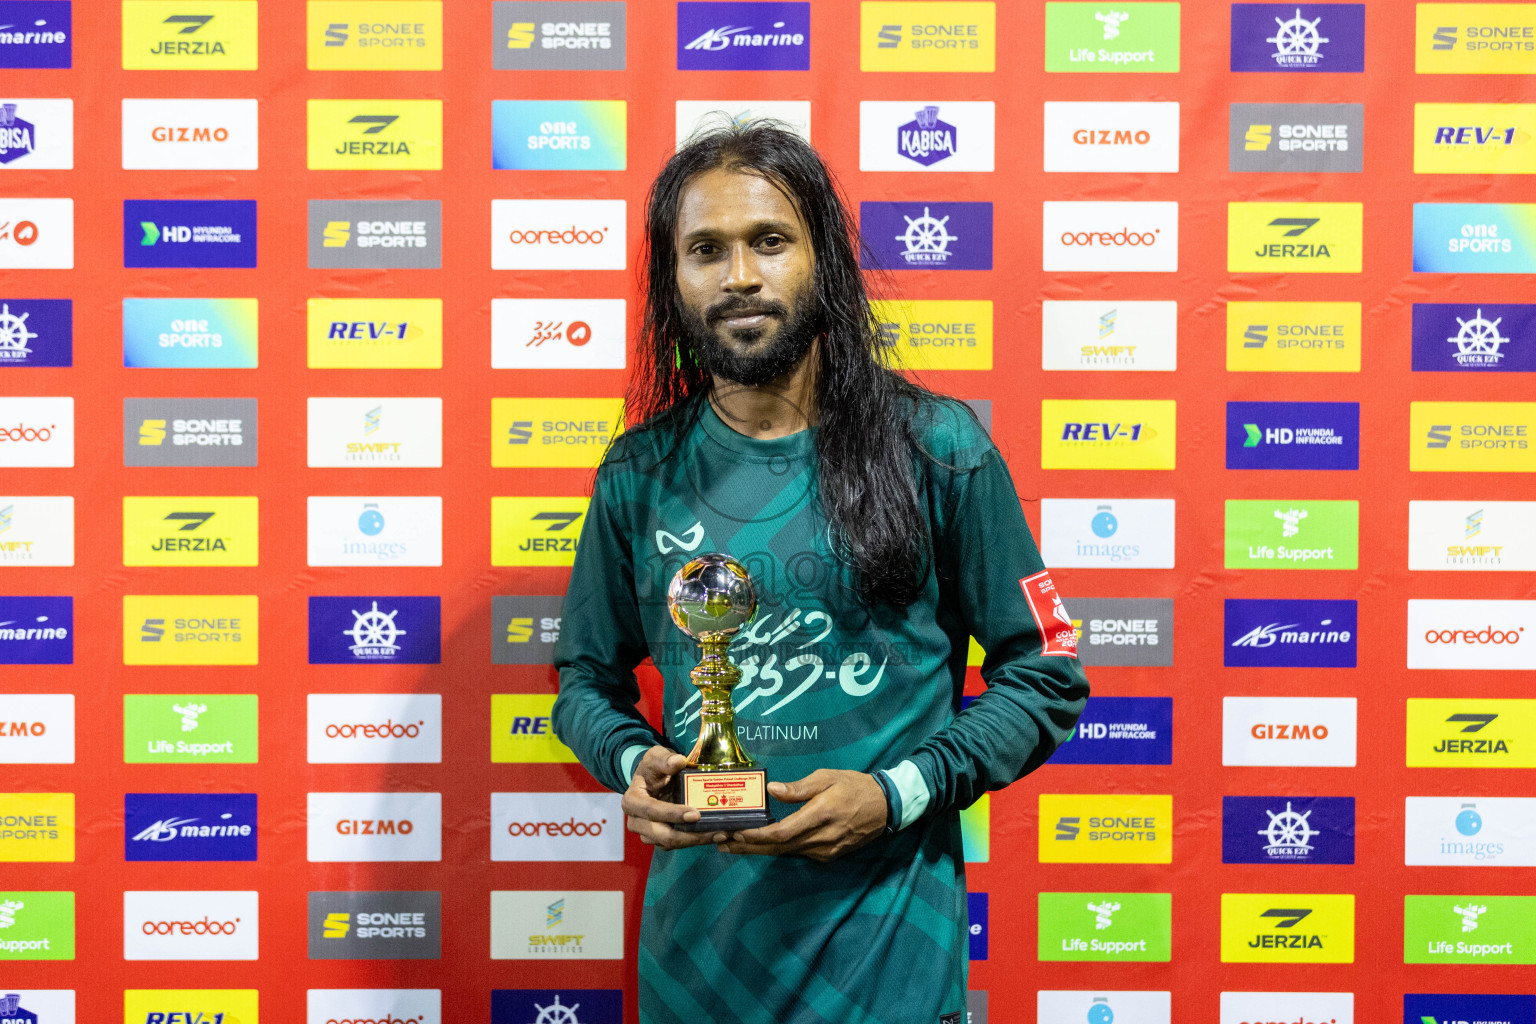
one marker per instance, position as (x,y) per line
(1474,238)
(558,234)
(1114,926)
(1474,138)
(37,234)
(37,432)
(1296,137)
(1296,238)
(558,135)
(375,926)
(1314,732)
(1472,536)
(37,133)
(36,332)
(37,630)
(190,333)
(193,1006)
(1111,137)
(1470,831)
(163,35)
(1292,534)
(38,1006)
(905,36)
(158,728)
(189,233)
(35,34)
(190,925)
(557,334)
(189,431)
(521,732)
(1474,338)
(553,431)
(1123,534)
(564,35)
(1293,435)
(375,630)
(1098,1006)
(1120,730)
(375,531)
(200,629)
(37,925)
(375,432)
(190,135)
(556,827)
(1475,39)
(1289,633)
(1287,830)
(1489,437)
(1106,829)
(1108,434)
(375,233)
(1109,335)
(375,334)
(37,728)
(189,531)
(1469,930)
(536,531)
(1461,1008)
(917,136)
(375,827)
(524,629)
(1095,236)
(936,334)
(926,236)
(189,826)
(557,925)
(37,827)
(1116,37)
(571,1006)
(350,35)
(1312,928)
(1124,631)
(1293,337)
(743,36)
(1298,37)
(925,139)
(375,728)
(375,135)
(1471,733)
(1476,634)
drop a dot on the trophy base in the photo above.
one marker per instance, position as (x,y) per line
(726,800)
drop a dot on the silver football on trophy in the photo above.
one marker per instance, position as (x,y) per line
(712,597)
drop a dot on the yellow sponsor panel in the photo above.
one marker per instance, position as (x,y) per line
(1475,39)
(375,35)
(1088,828)
(521,732)
(1474,138)
(1287,928)
(1472,437)
(209,35)
(553,431)
(375,135)
(375,334)
(937,334)
(1108,434)
(1464,732)
(974,655)
(209,1005)
(189,531)
(189,629)
(37,827)
(912,35)
(1293,337)
(536,531)
(1295,238)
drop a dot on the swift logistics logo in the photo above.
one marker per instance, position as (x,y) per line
(1105,926)
(204,334)
(375,233)
(189,432)
(37,133)
(1108,434)
(1111,137)
(190,135)
(597,1006)
(568,35)
(36,332)
(375,530)
(1472,536)
(1124,631)
(189,826)
(37,234)
(37,432)
(384,134)
(926,236)
(1475,39)
(556,827)
(1296,137)
(912,35)
(37,630)
(191,925)
(37,827)
(1120,730)
(374,827)
(375,728)
(1287,928)
(521,732)
(190,1006)
(558,135)
(1475,634)
(190,530)
(536,531)
(174,35)
(524,629)
(1474,238)
(1292,534)
(1097,236)
(1475,832)
(1295,238)
(1289,634)
(557,334)
(1298,37)
(190,629)
(189,728)
(1133,533)
(1293,435)
(1293,337)
(1107,335)
(936,334)
(558,234)
(1424,1008)
(1474,138)
(37,530)
(375,432)
(1469,929)
(375,630)
(1462,732)
(375,925)
(557,925)
(360,35)
(1112,38)
(743,36)
(1105,829)
(1460,337)
(1287,830)
(375,334)
(1472,437)
(918,136)
(37,925)
(189,233)
(1310,732)
(36,34)
(39,728)
(545,432)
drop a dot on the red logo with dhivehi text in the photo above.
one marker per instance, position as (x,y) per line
(1058,634)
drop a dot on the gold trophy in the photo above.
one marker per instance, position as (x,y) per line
(711,599)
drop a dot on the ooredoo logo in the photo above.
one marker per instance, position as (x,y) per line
(375,1006)
(556,827)
(375,827)
(375,728)
(190,925)
(1111,236)
(558,234)
(1473,634)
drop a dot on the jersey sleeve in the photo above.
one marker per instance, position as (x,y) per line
(1035,687)
(601,642)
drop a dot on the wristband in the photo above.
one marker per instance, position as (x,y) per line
(885,788)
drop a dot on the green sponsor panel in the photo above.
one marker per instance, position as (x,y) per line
(1116,37)
(1293,534)
(1469,929)
(1112,926)
(37,925)
(189,728)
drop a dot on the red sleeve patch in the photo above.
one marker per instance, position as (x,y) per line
(1051,616)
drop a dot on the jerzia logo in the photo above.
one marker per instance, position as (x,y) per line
(1454,732)
(1298,238)
(375,134)
(535,531)
(207,35)
(1287,928)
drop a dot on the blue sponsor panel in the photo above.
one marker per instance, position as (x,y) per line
(743,36)
(37,332)
(189,826)
(1298,37)
(1289,634)
(37,631)
(976,914)
(1474,238)
(1287,830)
(189,233)
(1120,730)
(1466,337)
(1466,1008)
(190,333)
(1293,435)
(36,34)
(926,236)
(375,630)
(569,1005)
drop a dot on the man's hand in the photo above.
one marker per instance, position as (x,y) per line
(843,811)
(647,811)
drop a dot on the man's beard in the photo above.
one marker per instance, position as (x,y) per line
(796,332)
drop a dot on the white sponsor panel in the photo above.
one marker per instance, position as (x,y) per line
(1099,236)
(695,114)
(1472,536)
(375,728)
(926,135)
(1112,137)
(37,134)
(364,433)
(375,1006)
(557,234)
(557,334)
(47,1005)
(1291,1007)
(189,135)
(37,728)
(37,530)
(1062,1006)
(1107,533)
(557,924)
(1107,335)
(1470,831)
(556,826)
(37,234)
(375,530)
(375,827)
(1472,634)
(1298,732)
(185,924)
(37,432)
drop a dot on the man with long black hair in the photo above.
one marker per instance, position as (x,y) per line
(882,531)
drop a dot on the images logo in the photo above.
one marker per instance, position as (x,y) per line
(1124,631)
(557,334)
(375,135)
(1296,137)
(375,233)
(1117,926)
(189,826)
(193,629)
(160,728)
(37,827)
(521,732)
(189,531)
(1120,730)
(35,34)
(558,925)
(375,728)
(536,531)
(1119,534)
(190,925)
(1098,1006)
(558,234)
(374,630)
(1124,37)
(1107,434)
(553,431)
(1465,437)
(189,233)
(37,630)
(1314,732)
(189,135)
(37,925)
(556,827)
(351,35)
(36,332)
(1475,39)
(1292,535)
(190,333)
(1474,238)
(37,728)
(1293,435)
(1296,238)
(597,1006)
(189,431)
(382,334)
(558,135)
(1293,337)
(1450,634)
(943,334)
(37,234)
(743,36)
(927,236)
(917,136)
(919,36)
(1294,634)
(566,35)
(1298,37)
(1463,733)
(1106,829)
(375,531)
(1472,536)
(1287,830)
(375,827)
(1109,335)
(1090,137)
(1449,1009)
(1311,928)
(524,629)
(161,35)
(1469,930)
(1481,338)
(37,133)
(375,925)
(1096,236)
(1470,831)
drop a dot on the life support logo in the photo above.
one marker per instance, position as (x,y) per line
(1469,929)
(1058,636)
(1105,926)
(37,925)
(190,728)
(1093,37)
(190,925)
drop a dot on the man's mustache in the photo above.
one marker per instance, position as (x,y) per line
(727,309)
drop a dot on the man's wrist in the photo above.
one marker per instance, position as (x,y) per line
(887,790)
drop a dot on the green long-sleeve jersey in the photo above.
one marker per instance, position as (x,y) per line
(878,936)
